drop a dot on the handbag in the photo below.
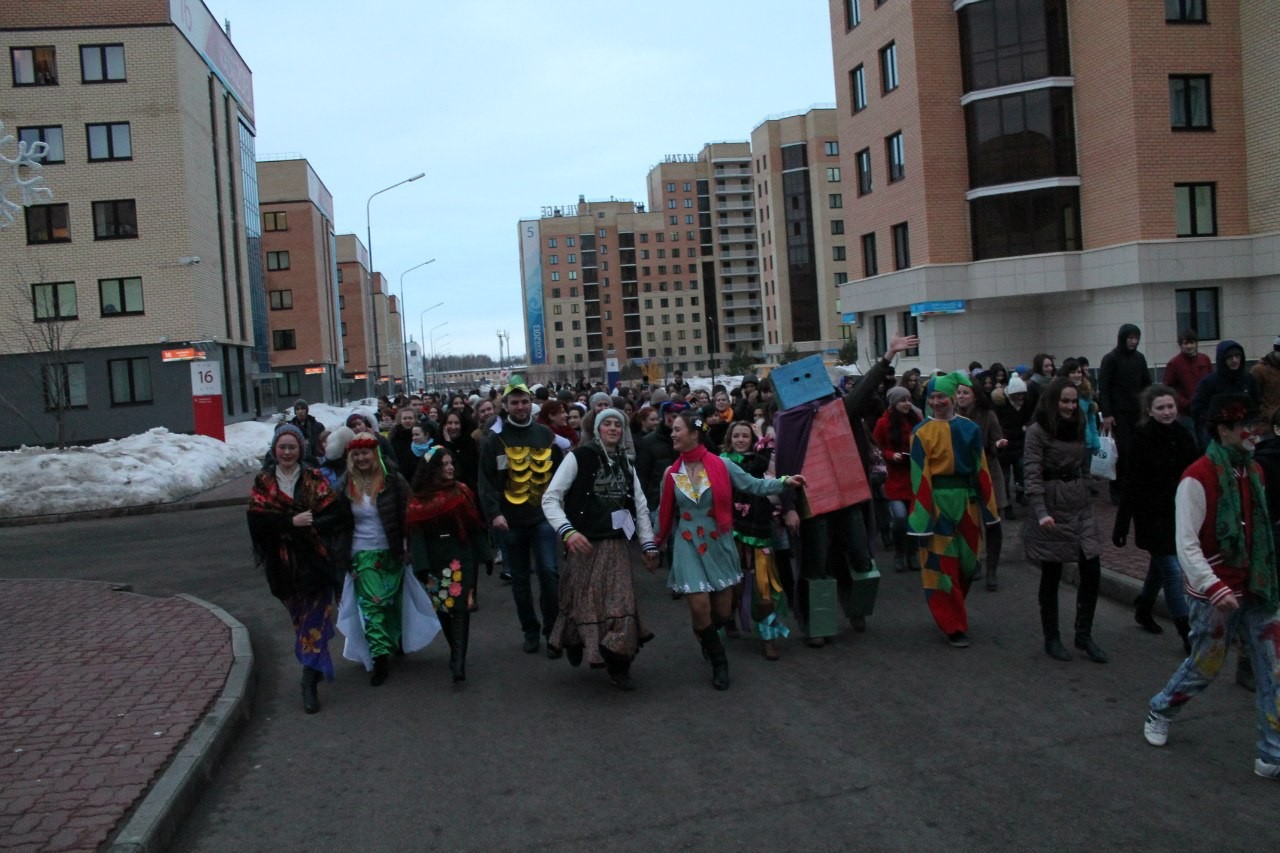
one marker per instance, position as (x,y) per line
(1103,461)
(879,469)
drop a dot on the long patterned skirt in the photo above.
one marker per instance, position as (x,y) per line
(312,617)
(598,605)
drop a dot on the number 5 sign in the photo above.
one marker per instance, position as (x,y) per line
(206,398)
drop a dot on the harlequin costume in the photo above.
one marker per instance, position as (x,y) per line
(953,500)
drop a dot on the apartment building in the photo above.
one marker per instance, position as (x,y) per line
(300,255)
(151,242)
(355,316)
(389,349)
(1026,175)
(804,244)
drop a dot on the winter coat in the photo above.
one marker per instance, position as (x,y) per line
(401,444)
(392,502)
(1122,377)
(1223,380)
(1158,454)
(654,454)
(1051,468)
(1013,423)
(1183,374)
(989,423)
(896,442)
(1267,455)
(1266,376)
(311,429)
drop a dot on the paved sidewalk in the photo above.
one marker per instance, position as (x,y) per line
(103,712)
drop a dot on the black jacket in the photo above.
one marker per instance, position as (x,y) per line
(1122,377)
(1267,455)
(392,502)
(311,429)
(1223,380)
(1158,454)
(654,455)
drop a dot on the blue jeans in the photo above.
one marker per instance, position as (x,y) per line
(898,524)
(526,548)
(1163,572)
(1211,632)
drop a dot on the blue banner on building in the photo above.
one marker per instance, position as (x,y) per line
(531,267)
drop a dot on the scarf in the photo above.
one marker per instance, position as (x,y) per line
(419,449)
(721,492)
(449,504)
(272,541)
(1258,554)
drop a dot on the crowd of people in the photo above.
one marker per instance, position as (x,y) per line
(578,486)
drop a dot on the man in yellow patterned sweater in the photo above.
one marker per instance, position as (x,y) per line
(517,459)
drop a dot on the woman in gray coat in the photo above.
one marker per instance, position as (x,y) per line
(1061,528)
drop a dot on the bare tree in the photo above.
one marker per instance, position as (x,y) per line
(44,339)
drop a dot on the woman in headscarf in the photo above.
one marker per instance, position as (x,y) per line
(696,510)
(596,505)
(290,506)
(953,499)
(447,541)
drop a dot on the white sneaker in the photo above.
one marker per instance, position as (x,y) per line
(1265,769)
(1156,731)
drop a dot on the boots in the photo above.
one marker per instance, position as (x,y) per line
(1049,617)
(1142,615)
(1053,647)
(1244,672)
(619,669)
(1184,631)
(381,669)
(1084,628)
(310,698)
(900,562)
(456,627)
(713,650)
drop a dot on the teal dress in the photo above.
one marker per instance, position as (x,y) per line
(702,558)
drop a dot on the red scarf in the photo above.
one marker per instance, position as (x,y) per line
(721,492)
(450,504)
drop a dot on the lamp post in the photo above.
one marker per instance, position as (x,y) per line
(404,336)
(435,367)
(422,335)
(373,302)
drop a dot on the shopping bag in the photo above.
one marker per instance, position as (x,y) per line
(823,615)
(862,593)
(1103,462)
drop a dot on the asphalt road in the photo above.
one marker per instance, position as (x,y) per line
(884,740)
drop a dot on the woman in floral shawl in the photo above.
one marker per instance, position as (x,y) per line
(289,507)
(446,543)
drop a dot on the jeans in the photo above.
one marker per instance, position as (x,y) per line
(898,525)
(1211,631)
(1163,572)
(526,548)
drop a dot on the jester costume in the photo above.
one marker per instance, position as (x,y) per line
(953,499)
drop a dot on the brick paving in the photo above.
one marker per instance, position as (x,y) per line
(101,688)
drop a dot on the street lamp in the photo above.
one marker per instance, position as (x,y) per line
(422,335)
(404,336)
(432,334)
(373,302)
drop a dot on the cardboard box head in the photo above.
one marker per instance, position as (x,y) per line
(800,382)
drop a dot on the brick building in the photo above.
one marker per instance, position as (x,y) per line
(355,324)
(1052,170)
(151,241)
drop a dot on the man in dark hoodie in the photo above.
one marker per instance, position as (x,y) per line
(1229,377)
(1122,377)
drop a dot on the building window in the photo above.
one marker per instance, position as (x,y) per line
(879,335)
(120,296)
(870,263)
(1021,137)
(1195,206)
(573,275)
(863,159)
(281,300)
(555,276)
(109,141)
(34,66)
(901,247)
(115,220)
(838,253)
(910,327)
(277,261)
(1003,42)
(896,157)
(343,329)
(1189,106)
(551,243)
(573,258)
(833,174)
(130,380)
(1185,12)
(279,221)
(51,136)
(555,293)
(54,301)
(1025,223)
(688,202)
(837,226)
(289,385)
(835,201)
(858,88)
(339,282)
(553,259)
(101,63)
(1197,310)
(889,68)
(48,223)
(65,387)
(842,278)
(852,13)
(283,339)
(555,309)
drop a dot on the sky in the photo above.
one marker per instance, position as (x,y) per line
(507,107)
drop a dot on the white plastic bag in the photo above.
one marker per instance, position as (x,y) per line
(1103,462)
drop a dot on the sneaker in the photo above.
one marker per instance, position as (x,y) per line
(504,575)
(958,640)
(1156,731)
(1265,769)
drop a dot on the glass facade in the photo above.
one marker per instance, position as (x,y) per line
(1026,223)
(253,245)
(801,261)
(1021,137)
(1003,42)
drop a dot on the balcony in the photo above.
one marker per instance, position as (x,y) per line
(736,205)
(740,287)
(742,320)
(748,302)
(736,222)
(736,238)
(734,189)
(739,256)
(743,338)
(737,270)
(733,172)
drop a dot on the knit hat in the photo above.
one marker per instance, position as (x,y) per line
(605,414)
(300,402)
(363,415)
(288,429)
(1275,345)
(897,394)
(1016,385)
(600,397)
(336,447)
(658,396)
(948,384)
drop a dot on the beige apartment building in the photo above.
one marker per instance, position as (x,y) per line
(1027,176)
(355,323)
(150,242)
(300,257)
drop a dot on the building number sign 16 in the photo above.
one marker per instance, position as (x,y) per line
(206,379)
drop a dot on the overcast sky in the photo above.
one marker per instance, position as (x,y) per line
(508,106)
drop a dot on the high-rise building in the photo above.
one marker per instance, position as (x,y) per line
(355,312)
(151,241)
(300,253)
(1030,174)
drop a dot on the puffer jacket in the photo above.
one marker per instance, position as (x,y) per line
(392,501)
(1054,486)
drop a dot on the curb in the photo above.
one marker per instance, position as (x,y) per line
(171,798)
(122,511)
